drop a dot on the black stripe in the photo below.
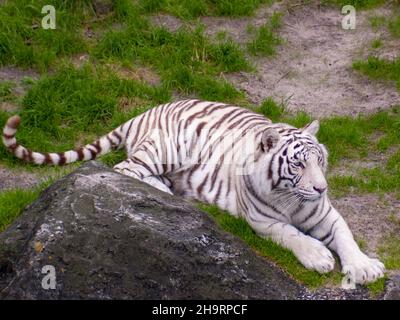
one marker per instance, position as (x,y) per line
(315,225)
(312,212)
(329,232)
(201,186)
(250,188)
(63,159)
(8,136)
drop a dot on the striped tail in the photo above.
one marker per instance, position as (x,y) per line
(113,140)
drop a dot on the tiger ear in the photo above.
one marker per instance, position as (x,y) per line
(312,127)
(269,139)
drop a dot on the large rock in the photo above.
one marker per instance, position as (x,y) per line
(109,236)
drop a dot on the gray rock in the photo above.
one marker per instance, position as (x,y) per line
(112,237)
(392,291)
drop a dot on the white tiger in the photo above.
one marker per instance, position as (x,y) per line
(270,174)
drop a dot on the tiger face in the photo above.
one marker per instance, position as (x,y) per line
(298,162)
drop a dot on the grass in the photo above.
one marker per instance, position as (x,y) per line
(24,43)
(265,38)
(394,26)
(185,60)
(389,251)
(6,89)
(13,202)
(358,4)
(380,69)
(377,21)
(186,9)
(392,23)
(377,288)
(271,109)
(377,43)
(267,248)
(60,109)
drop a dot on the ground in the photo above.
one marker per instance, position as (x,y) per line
(306,64)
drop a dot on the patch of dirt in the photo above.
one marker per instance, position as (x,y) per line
(7,106)
(167,21)
(11,179)
(368,217)
(312,70)
(79,60)
(142,73)
(347,167)
(237,28)
(17,76)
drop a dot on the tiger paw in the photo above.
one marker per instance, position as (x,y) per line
(314,255)
(362,269)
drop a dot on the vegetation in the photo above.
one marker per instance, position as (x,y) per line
(270,249)
(377,43)
(6,88)
(12,202)
(394,27)
(358,4)
(191,9)
(23,42)
(380,69)
(265,38)
(389,251)
(378,287)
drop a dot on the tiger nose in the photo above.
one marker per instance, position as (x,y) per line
(320,190)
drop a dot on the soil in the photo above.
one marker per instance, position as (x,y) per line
(11,179)
(312,69)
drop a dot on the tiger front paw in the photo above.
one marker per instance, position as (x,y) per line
(315,256)
(363,269)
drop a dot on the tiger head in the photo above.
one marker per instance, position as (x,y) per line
(297,161)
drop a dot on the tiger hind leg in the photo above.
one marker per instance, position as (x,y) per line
(157,183)
(141,171)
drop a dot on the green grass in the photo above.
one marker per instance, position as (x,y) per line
(186,60)
(380,69)
(377,43)
(389,251)
(392,23)
(394,26)
(265,38)
(377,288)
(6,88)
(377,21)
(186,9)
(271,109)
(12,202)
(25,43)
(358,4)
(267,248)
(236,7)
(62,108)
